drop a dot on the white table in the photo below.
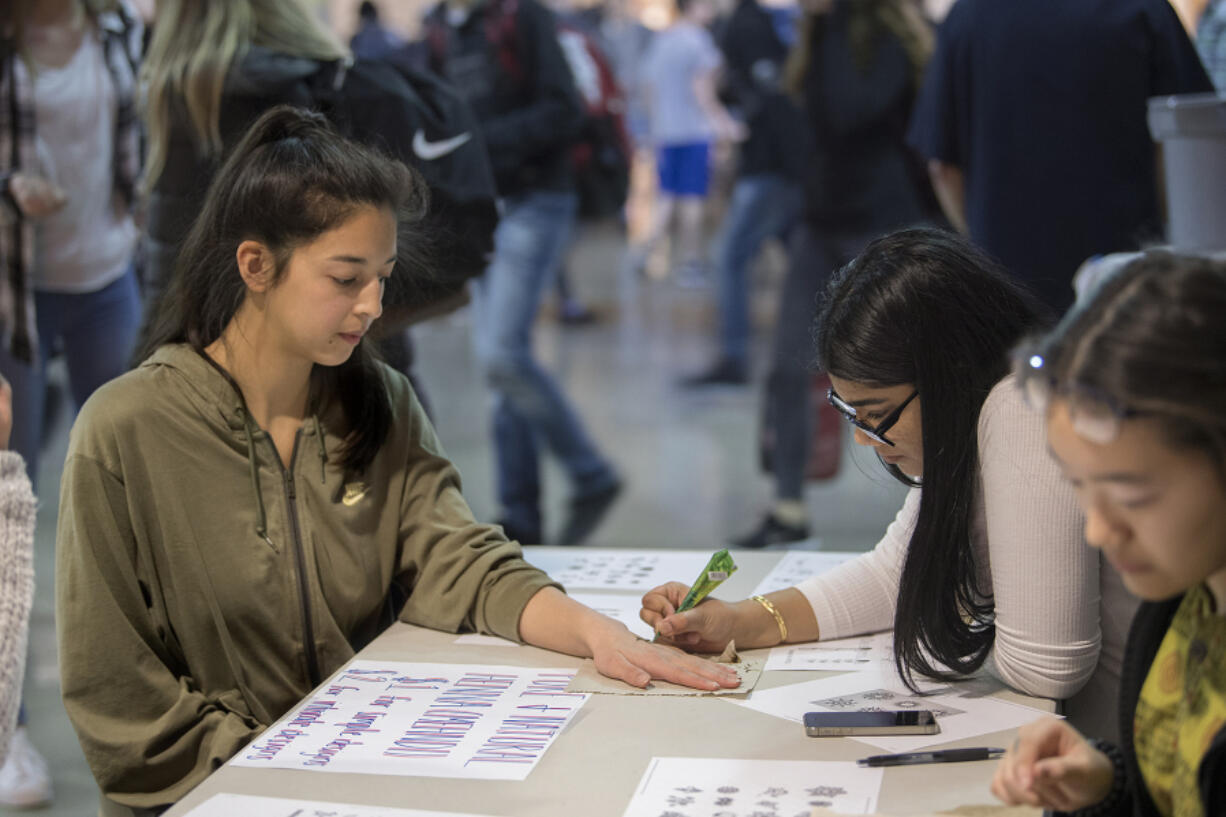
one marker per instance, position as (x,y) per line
(595,765)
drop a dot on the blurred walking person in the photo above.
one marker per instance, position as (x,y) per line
(856,70)
(679,78)
(767,196)
(503,56)
(69,160)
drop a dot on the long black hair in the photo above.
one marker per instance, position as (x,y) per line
(1151,341)
(290,179)
(925,307)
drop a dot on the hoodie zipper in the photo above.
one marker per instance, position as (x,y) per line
(308,629)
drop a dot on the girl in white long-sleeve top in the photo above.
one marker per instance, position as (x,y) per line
(983,567)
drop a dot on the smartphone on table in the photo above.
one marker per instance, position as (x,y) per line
(889,722)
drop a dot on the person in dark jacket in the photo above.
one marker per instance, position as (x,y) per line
(373,40)
(766,197)
(1033,119)
(214,68)
(503,56)
(1133,384)
(205,90)
(856,70)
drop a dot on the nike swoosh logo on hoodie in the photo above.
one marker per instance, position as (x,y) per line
(429,151)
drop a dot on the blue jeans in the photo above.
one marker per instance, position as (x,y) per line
(763,205)
(529,407)
(98,331)
(814,256)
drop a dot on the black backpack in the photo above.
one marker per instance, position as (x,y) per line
(422,121)
(601,156)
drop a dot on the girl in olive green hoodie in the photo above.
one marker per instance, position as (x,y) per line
(260,497)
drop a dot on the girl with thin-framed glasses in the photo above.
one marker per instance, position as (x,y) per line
(984,565)
(1133,388)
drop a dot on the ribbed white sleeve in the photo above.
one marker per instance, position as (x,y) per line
(1027,534)
(859,596)
(16,585)
(1044,576)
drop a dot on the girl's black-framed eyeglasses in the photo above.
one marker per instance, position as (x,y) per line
(877,432)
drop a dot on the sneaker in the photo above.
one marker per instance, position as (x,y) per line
(772,532)
(724,372)
(693,275)
(587,511)
(25,781)
(573,313)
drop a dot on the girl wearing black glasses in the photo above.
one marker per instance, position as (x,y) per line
(1133,387)
(984,566)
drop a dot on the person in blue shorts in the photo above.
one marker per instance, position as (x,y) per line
(679,78)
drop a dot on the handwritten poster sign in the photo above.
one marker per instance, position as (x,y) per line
(246,805)
(727,787)
(426,720)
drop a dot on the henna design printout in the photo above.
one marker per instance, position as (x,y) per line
(633,571)
(862,652)
(422,720)
(724,787)
(798,565)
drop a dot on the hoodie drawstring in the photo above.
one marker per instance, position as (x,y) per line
(323,450)
(261,522)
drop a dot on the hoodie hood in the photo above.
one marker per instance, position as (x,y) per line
(213,394)
(262,72)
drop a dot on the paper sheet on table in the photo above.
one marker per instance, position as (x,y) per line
(430,720)
(621,607)
(246,805)
(961,811)
(963,710)
(748,670)
(798,565)
(615,569)
(742,788)
(862,652)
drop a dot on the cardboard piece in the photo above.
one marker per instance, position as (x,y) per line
(749,670)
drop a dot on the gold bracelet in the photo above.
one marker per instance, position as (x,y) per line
(774,611)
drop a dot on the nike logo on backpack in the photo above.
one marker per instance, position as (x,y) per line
(429,151)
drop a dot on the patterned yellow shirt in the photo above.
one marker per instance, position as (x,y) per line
(1182,705)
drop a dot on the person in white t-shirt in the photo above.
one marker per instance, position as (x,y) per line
(984,566)
(69,196)
(69,160)
(678,79)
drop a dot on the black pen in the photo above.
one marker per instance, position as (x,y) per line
(946,756)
